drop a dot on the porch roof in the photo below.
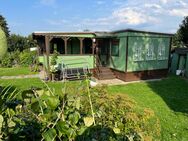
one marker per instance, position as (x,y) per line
(141,31)
(65,34)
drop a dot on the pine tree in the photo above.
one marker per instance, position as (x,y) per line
(181,37)
(4,26)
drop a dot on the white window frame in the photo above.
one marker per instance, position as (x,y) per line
(150,52)
(161,53)
(137,53)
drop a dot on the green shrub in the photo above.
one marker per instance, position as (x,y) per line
(3,43)
(53,62)
(119,114)
(27,58)
(18,58)
(6,61)
(10,59)
(45,115)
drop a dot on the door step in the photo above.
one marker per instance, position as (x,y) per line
(105,73)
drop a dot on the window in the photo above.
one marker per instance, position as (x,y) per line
(115,47)
(137,52)
(161,53)
(150,55)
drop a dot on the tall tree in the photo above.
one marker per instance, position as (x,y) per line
(17,42)
(4,26)
(20,43)
(181,37)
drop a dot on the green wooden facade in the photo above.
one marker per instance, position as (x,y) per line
(124,51)
(141,44)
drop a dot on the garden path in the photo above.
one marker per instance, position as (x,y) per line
(120,82)
(20,76)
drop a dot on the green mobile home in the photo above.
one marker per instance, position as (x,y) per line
(125,54)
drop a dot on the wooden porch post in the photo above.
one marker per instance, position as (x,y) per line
(81,45)
(47,46)
(93,46)
(38,50)
(66,43)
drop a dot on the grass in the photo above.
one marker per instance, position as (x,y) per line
(169,100)
(15,71)
(28,83)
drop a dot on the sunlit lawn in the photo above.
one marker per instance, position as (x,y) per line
(168,98)
(15,71)
(28,83)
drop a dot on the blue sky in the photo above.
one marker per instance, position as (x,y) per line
(27,16)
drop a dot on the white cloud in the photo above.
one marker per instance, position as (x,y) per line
(132,16)
(183,3)
(164,1)
(179,12)
(150,5)
(150,15)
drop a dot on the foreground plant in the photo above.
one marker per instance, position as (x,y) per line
(87,114)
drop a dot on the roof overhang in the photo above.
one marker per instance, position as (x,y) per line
(181,50)
(93,34)
(141,31)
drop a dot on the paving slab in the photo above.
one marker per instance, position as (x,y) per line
(20,76)
(120,82)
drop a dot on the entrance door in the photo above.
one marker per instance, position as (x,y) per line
(104,51)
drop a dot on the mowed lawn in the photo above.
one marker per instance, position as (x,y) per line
(15,71)
(168,98)
(28,83)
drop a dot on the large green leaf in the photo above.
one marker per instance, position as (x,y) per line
(88,121)
(116,130)
(71,133)
(35,106)
(62,128)
(53,102)
(82,130)
(74,118)
(40,92)
(11,124)
(49,135)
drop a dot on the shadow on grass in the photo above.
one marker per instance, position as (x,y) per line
(174,92)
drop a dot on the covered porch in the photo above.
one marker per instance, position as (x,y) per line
(67,45)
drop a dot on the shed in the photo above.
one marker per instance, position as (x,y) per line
(180,61)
